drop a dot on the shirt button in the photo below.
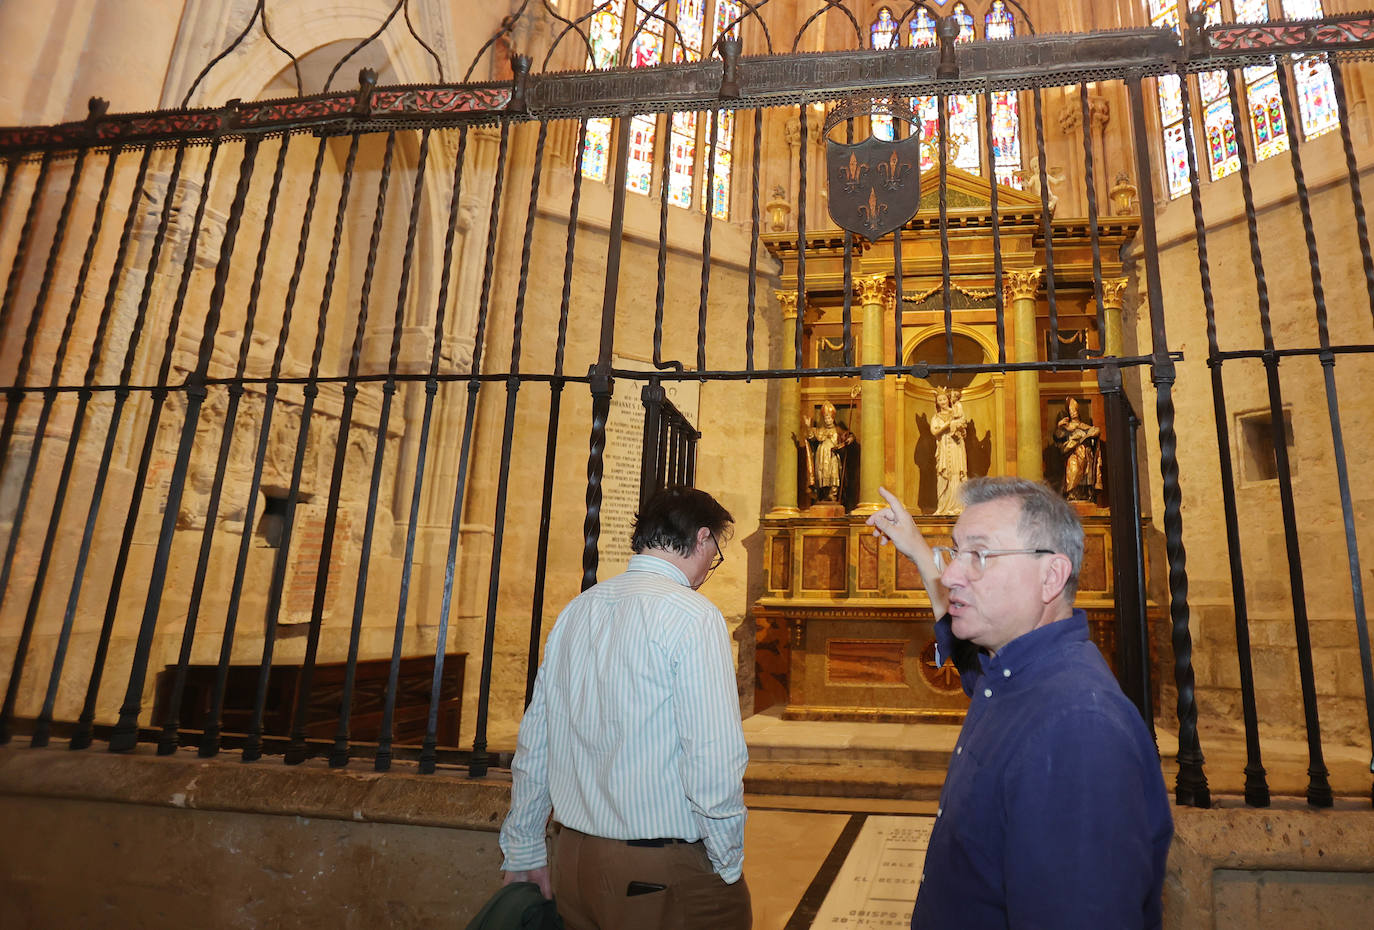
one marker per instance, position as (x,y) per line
(938,812)
(958,750)
(987,692)
(1006,673)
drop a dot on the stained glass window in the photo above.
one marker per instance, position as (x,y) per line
(691,20)
(1006,138)
(682,149)
(1316,96)
(639,176)
(963,132)
(720,192)
(922,28)
(928,112)
(604,35)
(1176,159)
(999,23)
(647,49)
(727,14)
(1218,119)
(881,121)
(596,151)
(965,18)
(1266,111)
(883,32)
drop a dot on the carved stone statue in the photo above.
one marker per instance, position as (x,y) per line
(824,462)
(949,426)
(1080,444)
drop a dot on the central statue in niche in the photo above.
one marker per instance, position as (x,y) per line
(949,426)
(824,456)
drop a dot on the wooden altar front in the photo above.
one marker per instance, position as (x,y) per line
(845,630)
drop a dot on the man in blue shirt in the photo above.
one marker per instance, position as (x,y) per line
(1054,812)
(633,741)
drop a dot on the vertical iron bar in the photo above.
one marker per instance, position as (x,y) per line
(296,749)
(946,294)
(651,452)
(252,746)
(431,390)
(383,759)
(159,396)
(21,248)
(847,306)
(803,159)
(26,353)
(1046,224)
(42,727)
(1279,431)
(541,558)
(601,385)
(210,738)
(753,243)
(1142,616)
(1090,183)
(168,742)
(1191,787)
(997,274)
(338,755)
(125,734)
(82,737)
(661,278)
(1319,790)
(1256,784)
(480,760)
(1362,230)
(709,202)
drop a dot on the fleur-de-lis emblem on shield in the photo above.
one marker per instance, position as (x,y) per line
(893,172)
(874,184)
(872,212)
(851,174)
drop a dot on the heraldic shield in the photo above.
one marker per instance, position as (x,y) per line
(875,185)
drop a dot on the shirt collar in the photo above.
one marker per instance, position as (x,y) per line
(643,562)
(1029,648)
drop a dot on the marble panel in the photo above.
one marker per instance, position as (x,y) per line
(876,887)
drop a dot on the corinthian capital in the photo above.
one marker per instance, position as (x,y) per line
(788,301)
(873,288)
(1024,284)
(1114,292)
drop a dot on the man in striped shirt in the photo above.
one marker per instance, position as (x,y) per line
(633,741)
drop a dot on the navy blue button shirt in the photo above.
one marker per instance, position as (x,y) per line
(1054,812)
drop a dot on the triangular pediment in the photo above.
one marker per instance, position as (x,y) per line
(968,191)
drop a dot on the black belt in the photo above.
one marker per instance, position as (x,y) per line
(663,841)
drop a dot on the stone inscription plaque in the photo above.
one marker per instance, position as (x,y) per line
(877,885)
(624,450)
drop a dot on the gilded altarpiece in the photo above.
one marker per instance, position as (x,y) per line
(845,629)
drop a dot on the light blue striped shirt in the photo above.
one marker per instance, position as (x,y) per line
(634,728)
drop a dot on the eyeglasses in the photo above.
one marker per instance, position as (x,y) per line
(976,562)
(720,556)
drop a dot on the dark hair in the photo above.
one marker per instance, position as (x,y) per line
(671,517)
(1047,521)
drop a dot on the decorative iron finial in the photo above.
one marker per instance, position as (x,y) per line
(948,31)
(520,65)
(367,81)
(729,82)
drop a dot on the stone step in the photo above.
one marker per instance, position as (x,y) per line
(847,780)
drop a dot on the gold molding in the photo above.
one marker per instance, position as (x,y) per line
(788,301)
(873,287)
(1114,292)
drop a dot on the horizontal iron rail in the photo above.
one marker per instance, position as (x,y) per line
(629,374)
(755,81)
(1318,351)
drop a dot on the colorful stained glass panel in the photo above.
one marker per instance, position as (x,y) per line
(1170,99)
(883,32)
(639,176)
(682,150)
(965,18)
(999,23)
(724,162)
(1176,160)
(1006,137)
(1219,129)
(964,149)
(1316,96)
(727,14)
(691,20)
(604,35)
(922,28)
(1266,112)
(596,150)
(1302,9)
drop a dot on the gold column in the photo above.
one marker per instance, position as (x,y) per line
(871,458)
(1023,286)
(789,416)
(1113,296)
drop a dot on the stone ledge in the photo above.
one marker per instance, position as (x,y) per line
(311,789)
